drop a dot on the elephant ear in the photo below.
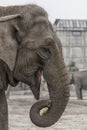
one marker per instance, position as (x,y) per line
(9,17)
(9,38)
(16,28)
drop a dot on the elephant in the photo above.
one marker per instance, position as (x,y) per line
(5,79)
(34,48)
(79,79)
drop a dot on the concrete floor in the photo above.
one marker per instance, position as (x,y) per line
(74,117)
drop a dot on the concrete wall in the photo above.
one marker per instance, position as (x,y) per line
(74,43)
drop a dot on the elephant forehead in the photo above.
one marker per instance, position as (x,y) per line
(8,46)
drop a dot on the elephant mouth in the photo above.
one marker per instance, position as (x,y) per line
(38,74)
(33,79)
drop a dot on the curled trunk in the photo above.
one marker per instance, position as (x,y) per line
(57,81)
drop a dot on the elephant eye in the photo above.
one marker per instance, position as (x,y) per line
(44,52)
(47,51)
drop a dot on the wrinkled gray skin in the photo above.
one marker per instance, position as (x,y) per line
(33,47)
(79,79)
(5,79)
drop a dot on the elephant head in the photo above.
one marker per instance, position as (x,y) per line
(39,50)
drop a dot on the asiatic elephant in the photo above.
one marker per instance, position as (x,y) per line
(32,46)
(79,79)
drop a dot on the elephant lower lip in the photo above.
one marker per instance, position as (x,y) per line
(36,88)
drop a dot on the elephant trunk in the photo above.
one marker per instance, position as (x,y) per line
(57,81)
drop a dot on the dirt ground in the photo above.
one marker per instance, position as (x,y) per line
(74,117)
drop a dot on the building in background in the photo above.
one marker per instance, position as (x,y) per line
(73,35)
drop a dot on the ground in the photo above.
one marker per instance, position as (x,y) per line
(74,117)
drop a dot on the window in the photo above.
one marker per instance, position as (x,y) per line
(76,33)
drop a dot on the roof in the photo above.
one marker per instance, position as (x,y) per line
(69,23)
